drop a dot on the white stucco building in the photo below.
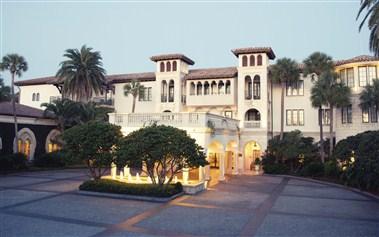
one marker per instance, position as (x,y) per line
(233,111)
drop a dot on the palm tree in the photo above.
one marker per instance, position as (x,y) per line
(5,91)
(64,111)
(314,65)
(82,73)
(16,65)
(372,14)
(337,95)
(284,71)
(135,89)
(369,97)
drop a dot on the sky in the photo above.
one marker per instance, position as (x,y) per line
(128,33)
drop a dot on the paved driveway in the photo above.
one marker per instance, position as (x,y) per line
(46,204)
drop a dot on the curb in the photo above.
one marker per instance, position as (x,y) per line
(364,193)
(129,197)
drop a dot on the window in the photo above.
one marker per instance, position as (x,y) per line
(192,88)
(374,114)
(295,88)
(164,92)
(350,77)
(199,88)
(162,67)
(252,115)
(227,87)
(146,94)
(362,74)
(252,60)
(228,114)
(244,61)
(171,91)
(206,88)
(295,117)
(37,97)
(168,66)
(248,88)
(257,88)
(259,60)
(325,116)
(213,88)
(54,98)
(343,76)
(371,74)
(174,66)
(34,97)
(365,115)
(220,87)
(346,114)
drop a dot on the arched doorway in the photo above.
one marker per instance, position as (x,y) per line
(26,143)
(53,141)
(231,153)
(216,159)
(251,152)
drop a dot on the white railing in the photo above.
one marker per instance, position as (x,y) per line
(173,119)
(252,124)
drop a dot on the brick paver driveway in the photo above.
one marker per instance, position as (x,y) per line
(46,204)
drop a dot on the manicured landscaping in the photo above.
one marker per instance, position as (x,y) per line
(117,187)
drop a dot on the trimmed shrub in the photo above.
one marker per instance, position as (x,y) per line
(52,159)
(113,186)
(331,169)
(313,169)
(17,161)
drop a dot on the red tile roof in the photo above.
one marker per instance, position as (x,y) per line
(172,56)
(143,76)
(267,50)
(211,73)
(37,81)
(360,58)
(21,110)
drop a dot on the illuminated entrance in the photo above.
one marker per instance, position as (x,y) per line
(251,152)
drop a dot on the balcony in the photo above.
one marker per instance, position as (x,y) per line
(181,120)
(252,124)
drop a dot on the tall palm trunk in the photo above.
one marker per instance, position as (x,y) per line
(331,131)
(283,84)
(14,113)
(322,152)
(134,103)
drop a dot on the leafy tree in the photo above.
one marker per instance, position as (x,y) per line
(369,97)
(162,150)
(64,111)
(82,73)
(314,65)
(135,89)
(284,71)
(93,143)
(372,14)
(16,65)
(5,91)
(337,95)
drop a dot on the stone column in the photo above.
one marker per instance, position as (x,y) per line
(235,162)
(185,175)
(207,168)
(222,166)
(201,174)
(113,171)
(126,171)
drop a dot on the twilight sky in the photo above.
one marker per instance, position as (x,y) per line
(128,33)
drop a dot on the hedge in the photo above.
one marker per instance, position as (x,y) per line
(17,161)
(113,186)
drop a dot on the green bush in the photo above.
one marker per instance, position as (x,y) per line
(313,169)
(17,161)
(52,159)
(270,166)
(331,169)
(113,186)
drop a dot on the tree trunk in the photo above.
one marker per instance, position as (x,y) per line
(331,131)
(134,104)
(14,113)
(322,152)
(282,111)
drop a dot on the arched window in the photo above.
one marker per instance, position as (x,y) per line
(220,87)
(174,66)
(259,60)
(206,88)
(162,67)
(252,60)
(171,91)
(248,88)
(168,67)
(164,91)
(227,87)
(252,115)
(199,88)
(53,142)
(34,97)
(257,88)
(244,61)
(192,88)
(26,143)
(37,97)
(213,88)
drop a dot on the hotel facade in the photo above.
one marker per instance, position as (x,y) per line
(233,111)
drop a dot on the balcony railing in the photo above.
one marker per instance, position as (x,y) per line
(252,124)
(173,119)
